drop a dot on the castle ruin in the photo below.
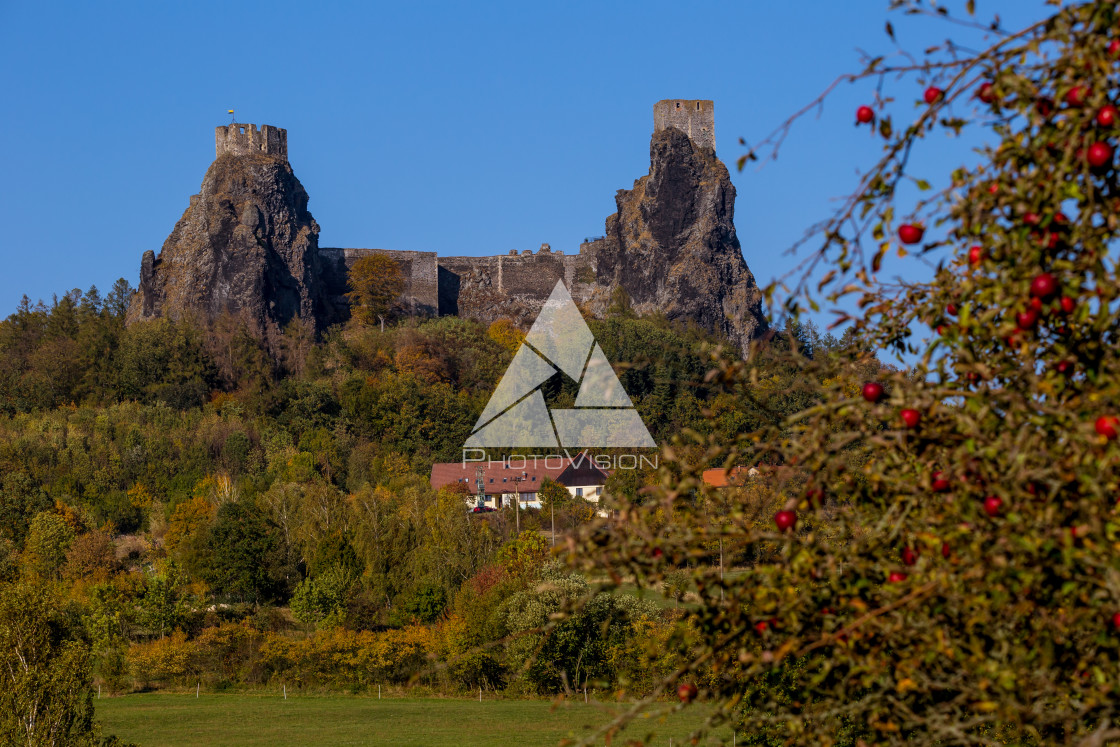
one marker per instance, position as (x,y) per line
(247,244)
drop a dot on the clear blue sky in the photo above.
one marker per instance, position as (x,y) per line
(458,128)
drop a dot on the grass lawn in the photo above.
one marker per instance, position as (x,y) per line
(168,720)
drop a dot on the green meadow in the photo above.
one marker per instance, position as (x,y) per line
(171,720)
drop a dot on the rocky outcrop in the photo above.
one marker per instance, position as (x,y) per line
(246,245)
(672,244)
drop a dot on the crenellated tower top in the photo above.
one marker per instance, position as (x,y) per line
(245,139)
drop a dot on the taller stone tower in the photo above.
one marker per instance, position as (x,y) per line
(672,244)
(694,117)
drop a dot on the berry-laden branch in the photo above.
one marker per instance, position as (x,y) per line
(924,554)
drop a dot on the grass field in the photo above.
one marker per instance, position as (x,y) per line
(169,720)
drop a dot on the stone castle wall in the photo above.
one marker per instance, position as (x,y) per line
(421,284)
(695,117)
(245,139)
(513,285)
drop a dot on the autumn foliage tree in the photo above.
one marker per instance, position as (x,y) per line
(376,283)
(937,563)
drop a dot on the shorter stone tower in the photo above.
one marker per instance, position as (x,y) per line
(695,117)
(244,139)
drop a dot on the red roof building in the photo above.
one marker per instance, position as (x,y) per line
(521,476)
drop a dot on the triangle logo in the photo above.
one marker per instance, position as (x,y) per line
(560,340)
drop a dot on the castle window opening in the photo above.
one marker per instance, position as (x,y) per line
(697,106)
(678,105)
(242,130)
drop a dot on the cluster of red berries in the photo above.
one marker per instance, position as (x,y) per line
(1099,154)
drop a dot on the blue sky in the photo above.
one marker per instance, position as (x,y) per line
(458,128)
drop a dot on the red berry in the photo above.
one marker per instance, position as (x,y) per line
(1059,219)
(952,309)
(945,551)
(911,418)
(1068,304)
(814,496)
(932,94)
(941,330)
(1044,286)
(1099,154)
(992,505)
(986,93)
(1031,219)
(939,482)
(993,188)
(864,114)
(872,391)
(1036,305)
(909,556)
(1065,368)
(1026,319)
(1077,95)
(896,577)
(785,520)
(657,552)
(975,254)
(1116,620)
(1107,426)
(761,626)
(910,233)
(1044,106)
(687,692)
(1107,116)
(1114,47)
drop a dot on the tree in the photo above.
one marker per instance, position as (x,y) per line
(242,545)
(376,284)
(48,541)
(90,555)
(943,566)
(45,695)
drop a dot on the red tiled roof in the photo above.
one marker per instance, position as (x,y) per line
(498,477)
(721,477)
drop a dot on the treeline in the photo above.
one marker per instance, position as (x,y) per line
(214,507)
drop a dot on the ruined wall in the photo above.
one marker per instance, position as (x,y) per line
(695,117)
(513,285)
(421,296)
(245,139)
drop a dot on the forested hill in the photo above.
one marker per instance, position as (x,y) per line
(182,484)
(95,410)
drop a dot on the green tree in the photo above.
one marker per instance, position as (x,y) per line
(48,540)
(323,600)
(45,694)
(241,552)
(376,284)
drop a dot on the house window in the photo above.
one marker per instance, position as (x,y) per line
(505,479)
(579,492)
(491,479)
(534,478)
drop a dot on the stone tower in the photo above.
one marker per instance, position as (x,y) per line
(244,139)
(695,117)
